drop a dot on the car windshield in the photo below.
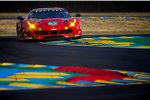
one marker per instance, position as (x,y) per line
(45,14)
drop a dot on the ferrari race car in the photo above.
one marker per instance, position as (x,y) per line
(47,23)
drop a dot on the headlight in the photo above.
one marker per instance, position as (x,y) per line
(73,23)
(31,26)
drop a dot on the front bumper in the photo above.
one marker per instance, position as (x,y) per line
(44,34)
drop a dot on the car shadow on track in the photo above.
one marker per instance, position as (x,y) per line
(14,38)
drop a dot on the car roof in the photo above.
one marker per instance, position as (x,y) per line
(52,8)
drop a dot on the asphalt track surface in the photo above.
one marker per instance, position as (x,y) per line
(32,52)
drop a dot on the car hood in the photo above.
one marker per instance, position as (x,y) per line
(53,22)
(59,20)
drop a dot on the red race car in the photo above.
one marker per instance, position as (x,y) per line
(47,23)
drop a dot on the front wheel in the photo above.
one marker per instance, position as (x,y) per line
(78,37)
(20,36)
(73,38)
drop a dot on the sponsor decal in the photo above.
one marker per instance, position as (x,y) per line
(52,23)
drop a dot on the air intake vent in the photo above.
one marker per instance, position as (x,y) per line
(65,31)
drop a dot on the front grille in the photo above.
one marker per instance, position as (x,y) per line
(53,32)
(65,31)
(54,38)
(41,32)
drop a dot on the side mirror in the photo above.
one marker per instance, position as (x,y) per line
(20,18)
(78,15)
